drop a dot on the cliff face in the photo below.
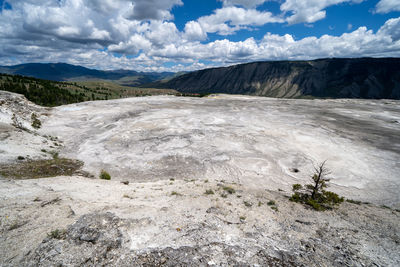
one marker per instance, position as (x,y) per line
(349,78)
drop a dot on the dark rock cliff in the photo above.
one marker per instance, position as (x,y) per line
(337,78)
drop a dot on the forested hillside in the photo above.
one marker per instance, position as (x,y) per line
(51,93)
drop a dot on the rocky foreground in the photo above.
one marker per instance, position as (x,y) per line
(198,182)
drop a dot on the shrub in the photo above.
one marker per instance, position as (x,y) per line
(271,203)
(36,123)
(105,175)
(314,204)
(209,192)
(314,194)
(331,197)
(296,187)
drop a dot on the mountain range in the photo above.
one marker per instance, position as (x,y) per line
(327,78)
(67,72)
(331,78)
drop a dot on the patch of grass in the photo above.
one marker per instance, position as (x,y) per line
(229,189)
(209,192)
(174,193)
(15,225)
(206,181)
(260,203)
(357,202)
(172,179)
(242,218)
(224,195)
(57,234)
(32,169)
(105,175)
(272,205)
(43,150)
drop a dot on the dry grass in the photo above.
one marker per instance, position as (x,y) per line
(32,169)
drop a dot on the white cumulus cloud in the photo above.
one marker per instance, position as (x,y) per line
(113,34)
(228,20)
(244,3)
(309,11)
(386,6)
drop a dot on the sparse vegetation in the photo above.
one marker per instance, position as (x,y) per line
(31,169)
(314,194)
(35,122)
(174,193)
(17,124)
(105,175)
(57,234)
(229,189)
(54,154)
(272,205)
(15,225)
(247,204)
(209,192)
(20,158)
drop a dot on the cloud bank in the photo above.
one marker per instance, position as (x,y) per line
(142,35)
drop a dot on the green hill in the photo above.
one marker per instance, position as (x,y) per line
(52,93)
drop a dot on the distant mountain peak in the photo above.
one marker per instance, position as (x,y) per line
(67,72)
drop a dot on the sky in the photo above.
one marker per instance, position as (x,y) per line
(185,35)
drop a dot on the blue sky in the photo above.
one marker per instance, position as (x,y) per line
(175,35)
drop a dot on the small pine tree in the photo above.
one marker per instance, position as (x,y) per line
(314,194)
(319,180)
